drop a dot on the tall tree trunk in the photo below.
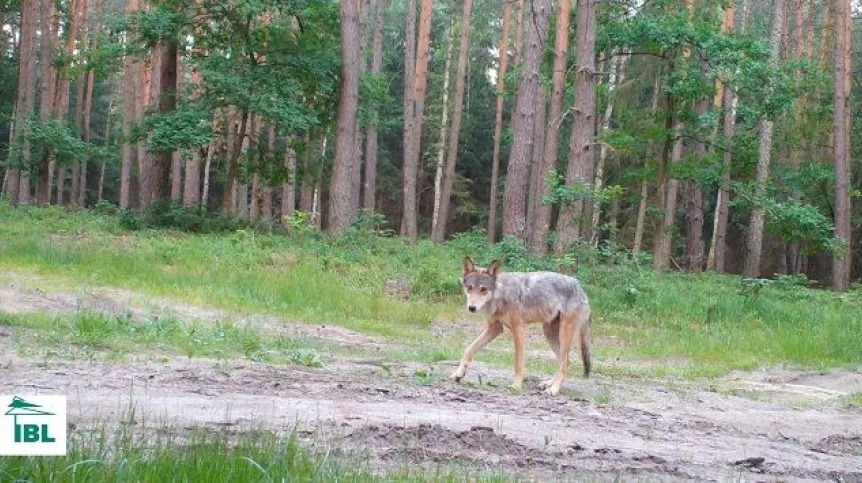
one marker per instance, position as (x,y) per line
(409,222)
(211,150)
(542,221)
(340,209)
(316,218)
(288,192)
(641,219)
(18,182)
(617,77)
(718,246)
(80,108)
(664,237)
(107,141)
(61,102)
(370,188)
(266,210)
(694,207)
(306,191)
(498,120)
(842,260)
(131,73)
(88,102)
(49,29)
(409,118)
(167,103)
(357,157)
(754,236)
(582,144)
(439,232)
(74,169)
(519,33)
(254,203)
(234,143)
(146,98)
(538,172)
(515,192)
(444,123)
(644,195)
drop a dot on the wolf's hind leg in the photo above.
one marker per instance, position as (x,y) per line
(570,323)
(552,334)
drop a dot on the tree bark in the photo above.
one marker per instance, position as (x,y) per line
(842,260)
(538,171)
(409,85)
(444,123)
(519,33)
(754,236)
(49,27)
(498,120)
(18,181)
(167,103)
(234,144)
(371,142)
(641,219)
(582,154)
(131,72)
(340,194)
(107,141)
(439,232)
(515,192)
(409,222)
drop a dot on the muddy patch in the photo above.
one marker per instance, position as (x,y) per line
(840,444)
(417,444)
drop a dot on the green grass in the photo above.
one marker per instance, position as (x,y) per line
(91,335)
(201,456)
(686,325)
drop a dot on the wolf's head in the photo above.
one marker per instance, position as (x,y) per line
(479,283)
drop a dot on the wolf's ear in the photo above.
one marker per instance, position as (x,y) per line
(467,266)
(494,269)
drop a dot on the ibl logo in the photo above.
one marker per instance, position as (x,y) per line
(33,426)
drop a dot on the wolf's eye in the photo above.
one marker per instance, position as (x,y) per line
(469,288)
(483,289)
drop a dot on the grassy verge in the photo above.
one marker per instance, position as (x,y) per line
(90,336)
(692,325)
(200,456)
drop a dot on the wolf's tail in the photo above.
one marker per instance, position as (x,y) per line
(584,334)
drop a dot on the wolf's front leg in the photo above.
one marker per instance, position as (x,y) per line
(518,337)
(492,330)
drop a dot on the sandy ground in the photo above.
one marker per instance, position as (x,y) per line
(786,426)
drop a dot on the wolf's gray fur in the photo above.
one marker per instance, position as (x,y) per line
(536,292)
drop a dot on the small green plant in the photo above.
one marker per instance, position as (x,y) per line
(426,378)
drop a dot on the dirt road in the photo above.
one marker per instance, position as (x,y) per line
(786,427)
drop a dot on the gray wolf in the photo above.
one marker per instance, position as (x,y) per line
(516,299)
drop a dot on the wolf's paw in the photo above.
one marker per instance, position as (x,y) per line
(457,375)
(553,389)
